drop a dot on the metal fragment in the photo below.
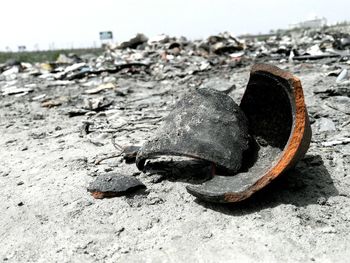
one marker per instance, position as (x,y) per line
(112,185)
(206,124)
(274,105)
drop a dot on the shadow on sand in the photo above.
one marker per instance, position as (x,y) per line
(303,185)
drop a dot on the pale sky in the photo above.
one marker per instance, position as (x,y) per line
(76,23)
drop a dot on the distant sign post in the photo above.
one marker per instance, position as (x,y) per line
(106,38)
(22,48)
(106,35)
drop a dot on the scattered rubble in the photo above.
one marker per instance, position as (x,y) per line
(78,108)
(165,57)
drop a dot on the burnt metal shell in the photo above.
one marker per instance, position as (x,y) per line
(274,105)
(205,124)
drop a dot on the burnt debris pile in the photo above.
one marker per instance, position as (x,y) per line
(179,100)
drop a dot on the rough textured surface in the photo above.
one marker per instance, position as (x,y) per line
(280,130)
(204,124)
(46,163)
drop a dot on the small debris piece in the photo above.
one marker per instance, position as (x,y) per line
(39,97)
(11,71)
(51,103)
(336,142)
(5,173)
(24,148)
(85,129)
(100,88)
(75,67)
(133,43)
(112,185)
(342,76)
(77,112)
(130,153)
(96,104)
(315,57)
(59,83)
(14,90)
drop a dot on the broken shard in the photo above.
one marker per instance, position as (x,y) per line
(112,185)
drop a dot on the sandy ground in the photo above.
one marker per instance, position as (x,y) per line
(47,162)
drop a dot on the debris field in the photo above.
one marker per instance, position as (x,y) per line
(71,125)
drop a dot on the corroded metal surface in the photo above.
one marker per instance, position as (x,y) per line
(208,125)
(278,121)
(205,124)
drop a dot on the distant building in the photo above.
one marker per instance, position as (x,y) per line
(312,24)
